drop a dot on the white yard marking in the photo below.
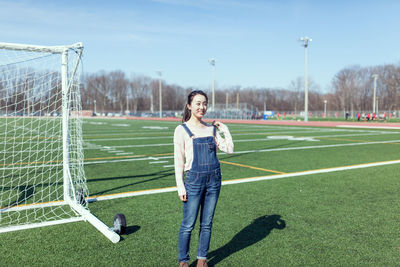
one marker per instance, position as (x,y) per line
(95,122)
(282,137)
(121,125)
(155,127)
(156,162)
(109,149)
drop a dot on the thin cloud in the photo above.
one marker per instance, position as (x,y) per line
(209,4)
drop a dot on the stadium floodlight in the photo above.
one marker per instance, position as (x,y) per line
(41,153)
(212,62)
(305,41)
(375,76)
(325,101)
(159,72)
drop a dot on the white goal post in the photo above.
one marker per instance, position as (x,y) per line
(42,179)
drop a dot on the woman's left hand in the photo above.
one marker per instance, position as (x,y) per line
(216,123)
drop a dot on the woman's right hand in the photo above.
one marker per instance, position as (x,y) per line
(183,197)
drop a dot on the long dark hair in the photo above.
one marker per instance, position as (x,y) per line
(186,112)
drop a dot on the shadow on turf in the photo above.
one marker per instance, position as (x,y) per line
(131,229)
(159,175)
(248,236)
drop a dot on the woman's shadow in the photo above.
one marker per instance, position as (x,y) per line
(248,236)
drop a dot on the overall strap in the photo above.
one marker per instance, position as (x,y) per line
(187,130)
(215,130)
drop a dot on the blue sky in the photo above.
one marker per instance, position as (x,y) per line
(254,42)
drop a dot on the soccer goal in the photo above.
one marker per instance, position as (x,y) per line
(42,179)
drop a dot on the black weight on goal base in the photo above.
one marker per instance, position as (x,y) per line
(119,224)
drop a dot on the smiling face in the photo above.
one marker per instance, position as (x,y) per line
(198,106)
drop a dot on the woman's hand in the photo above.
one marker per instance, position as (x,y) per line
(216,123)
(183,197)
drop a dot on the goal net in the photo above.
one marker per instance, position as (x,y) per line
(42,179)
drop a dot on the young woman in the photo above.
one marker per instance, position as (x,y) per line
(195,154)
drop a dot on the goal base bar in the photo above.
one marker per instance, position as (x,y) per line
(99,225)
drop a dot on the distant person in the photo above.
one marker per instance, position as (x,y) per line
(373,116)
(347,116)
(195,154)
(358,116)
(384,116)
(368,116)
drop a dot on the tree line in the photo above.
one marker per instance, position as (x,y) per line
(351,90)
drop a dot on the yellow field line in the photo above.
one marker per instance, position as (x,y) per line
(33,204)
(250,167)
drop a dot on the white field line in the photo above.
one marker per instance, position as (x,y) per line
(253,151)
(369,127)
(95,146)
(251,140)
(234,134)
(129,138)
(39,167)
(36,225)
(157,162)
(220,153)
(164,144)
(124,153)
(116,133)
(123,160)
(247,180)
(231,126)
(313,147)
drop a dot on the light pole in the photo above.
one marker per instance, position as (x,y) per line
(306,40)
(377,107)
(212,62)
(159,72)
(94,103)
(127,105)
(226,100)
(375,76)
(325,101)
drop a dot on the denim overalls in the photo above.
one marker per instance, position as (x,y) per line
(203,184)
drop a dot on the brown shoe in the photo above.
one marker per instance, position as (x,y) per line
(183,264)
(202,263)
